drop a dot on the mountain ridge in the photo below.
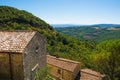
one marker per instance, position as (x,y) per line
(91,25)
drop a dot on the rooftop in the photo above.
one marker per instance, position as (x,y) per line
(62,63)
(15,41)
(91,72)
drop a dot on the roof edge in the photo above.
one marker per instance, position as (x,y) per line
(17,31)
(10,52)
(62,59)
(98,73)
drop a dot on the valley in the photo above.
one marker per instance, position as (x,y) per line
(91,33)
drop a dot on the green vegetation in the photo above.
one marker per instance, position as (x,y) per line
(104,58)
(57,44)
(41,74)
(12,18)
(95,34)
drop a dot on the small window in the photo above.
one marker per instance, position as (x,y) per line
(36,49)
(25,54)
(59,71)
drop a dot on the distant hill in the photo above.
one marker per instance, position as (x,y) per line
(94,25)
(106,25)
(91,33)
(63,25)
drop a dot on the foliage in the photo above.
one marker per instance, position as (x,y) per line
(48,78)
(12,18)
(42,74)
(106,58)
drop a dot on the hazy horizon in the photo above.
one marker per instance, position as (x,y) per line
(85,24)
(84,12)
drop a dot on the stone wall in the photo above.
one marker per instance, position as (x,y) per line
(88,76)
(67,75)
(17,66)
(34,56)
(11,66)
(60,74)
(76,74)
(4,66)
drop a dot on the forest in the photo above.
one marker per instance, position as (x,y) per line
(103,56)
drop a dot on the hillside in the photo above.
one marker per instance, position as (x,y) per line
(91,33)
(11,17)
(57,44)
(104,58)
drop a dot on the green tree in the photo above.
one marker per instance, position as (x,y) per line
(42,74)
(107,58)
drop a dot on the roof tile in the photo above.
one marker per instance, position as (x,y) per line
(89,71)
(62,63)
(15,41)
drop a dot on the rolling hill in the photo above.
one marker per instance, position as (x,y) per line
(94,33)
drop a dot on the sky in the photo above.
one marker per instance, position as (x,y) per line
(70,11)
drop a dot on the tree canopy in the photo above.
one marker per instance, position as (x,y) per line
(106,57)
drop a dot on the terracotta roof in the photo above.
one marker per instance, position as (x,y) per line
(62,63)
(91,72)
(15,41)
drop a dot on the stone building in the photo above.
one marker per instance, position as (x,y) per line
(88,74)
(22,54)
(63,69)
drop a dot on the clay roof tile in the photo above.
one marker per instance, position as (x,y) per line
(15,41)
